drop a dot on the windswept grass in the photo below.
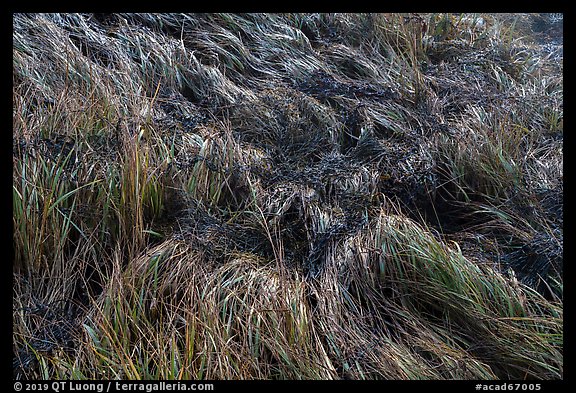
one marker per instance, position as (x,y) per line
(287,196)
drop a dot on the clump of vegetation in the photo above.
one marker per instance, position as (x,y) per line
(287,196)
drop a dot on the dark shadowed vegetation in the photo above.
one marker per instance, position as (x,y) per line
(287,196)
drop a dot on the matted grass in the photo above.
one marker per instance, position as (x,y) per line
(287,196)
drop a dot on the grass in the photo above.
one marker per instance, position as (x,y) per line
(287,196)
